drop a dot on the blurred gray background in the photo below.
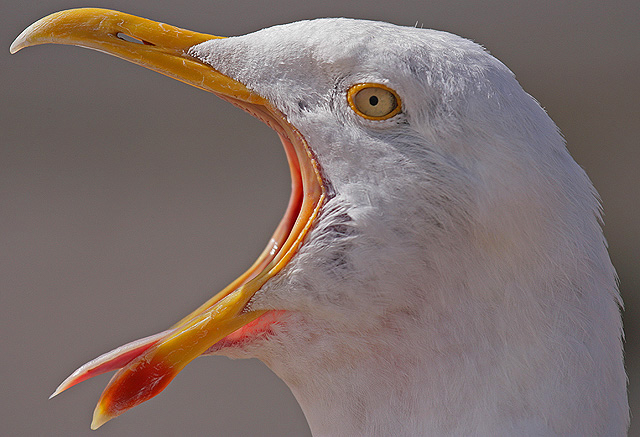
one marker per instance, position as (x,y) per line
(127,198)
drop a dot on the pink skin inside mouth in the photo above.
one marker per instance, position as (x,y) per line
(259,328)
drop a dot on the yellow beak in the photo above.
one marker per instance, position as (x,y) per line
(148,366)
(157,46)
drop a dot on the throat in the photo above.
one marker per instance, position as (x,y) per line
(437,375)
(358,400)
(347,388)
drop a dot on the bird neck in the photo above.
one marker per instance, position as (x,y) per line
(508,325)
(415,376)
(348,388)
(478,367)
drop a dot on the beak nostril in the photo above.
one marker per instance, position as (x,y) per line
(133,39)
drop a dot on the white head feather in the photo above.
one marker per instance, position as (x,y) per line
(457,281)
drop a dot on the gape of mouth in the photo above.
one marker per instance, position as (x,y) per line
(307,197)
(284,229)
(308,194)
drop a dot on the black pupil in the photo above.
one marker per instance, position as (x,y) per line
(373,100)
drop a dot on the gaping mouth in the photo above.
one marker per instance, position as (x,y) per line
(149,364)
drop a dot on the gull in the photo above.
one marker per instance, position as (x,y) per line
(440,268)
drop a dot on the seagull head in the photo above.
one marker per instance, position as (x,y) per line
(459,153)
(440,267)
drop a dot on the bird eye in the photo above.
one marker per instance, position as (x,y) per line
(373,101)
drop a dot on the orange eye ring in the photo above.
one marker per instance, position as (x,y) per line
(374,101)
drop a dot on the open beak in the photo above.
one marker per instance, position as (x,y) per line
(148,365)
